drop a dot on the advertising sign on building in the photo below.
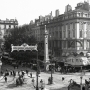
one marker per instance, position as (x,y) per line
(23,47)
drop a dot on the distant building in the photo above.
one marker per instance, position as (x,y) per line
(5,26)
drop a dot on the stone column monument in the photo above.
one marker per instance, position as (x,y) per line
(46,55)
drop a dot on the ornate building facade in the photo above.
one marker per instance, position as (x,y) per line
(69,33)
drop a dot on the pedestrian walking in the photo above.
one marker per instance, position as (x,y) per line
(42,87)
(27,72)
(18,73)
(14,73)
(71,81)
(23,73)
(33,81)
(31,75)
(49,80)
(1,72)
(63,78)
(11,72)
(5,79)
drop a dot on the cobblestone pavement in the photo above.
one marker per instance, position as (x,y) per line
(58,84)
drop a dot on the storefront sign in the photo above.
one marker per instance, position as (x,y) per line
(23,47)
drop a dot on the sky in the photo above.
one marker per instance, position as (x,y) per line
(26,10)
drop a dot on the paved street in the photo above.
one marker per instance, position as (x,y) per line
(58,84)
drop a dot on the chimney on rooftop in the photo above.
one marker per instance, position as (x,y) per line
(57,13)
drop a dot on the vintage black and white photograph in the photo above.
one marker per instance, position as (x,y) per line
(44,44)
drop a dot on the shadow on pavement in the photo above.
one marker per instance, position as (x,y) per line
(63,88)
(11,86)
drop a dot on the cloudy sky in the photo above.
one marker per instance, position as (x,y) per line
(26,10)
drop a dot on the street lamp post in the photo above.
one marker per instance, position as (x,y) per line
(51,72)
(81,82)
(37,73)
(51,63)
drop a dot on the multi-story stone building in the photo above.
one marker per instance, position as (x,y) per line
(70,32)
(5,25)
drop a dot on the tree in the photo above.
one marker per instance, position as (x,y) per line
(18,36)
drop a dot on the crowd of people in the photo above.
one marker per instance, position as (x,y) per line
(19,74)
(19,77)
(68,69)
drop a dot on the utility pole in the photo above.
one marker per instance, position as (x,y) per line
(51,72)
(51,61)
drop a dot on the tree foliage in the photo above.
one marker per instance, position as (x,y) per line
(18,36)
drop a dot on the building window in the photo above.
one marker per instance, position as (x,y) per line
(80,33)
(56,33)
(73,25)
(81,25)
(88,34)
(69,44)
(4,26)
(85,15)
(60,33)
(54,44)
(52,33)
(58,27)
(76,60)
(73,32)
(64,34)
(88,44)
(68,26)
(9,26)
(72,60)
(82,14)
(68,33)
(14,26)
(64,44)
(81,28)
(88,26)
(64,27)
(0,33)
(60,44)
(79,14)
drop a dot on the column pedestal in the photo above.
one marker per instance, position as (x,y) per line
(46,66)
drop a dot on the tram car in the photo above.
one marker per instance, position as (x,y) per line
(78,62)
